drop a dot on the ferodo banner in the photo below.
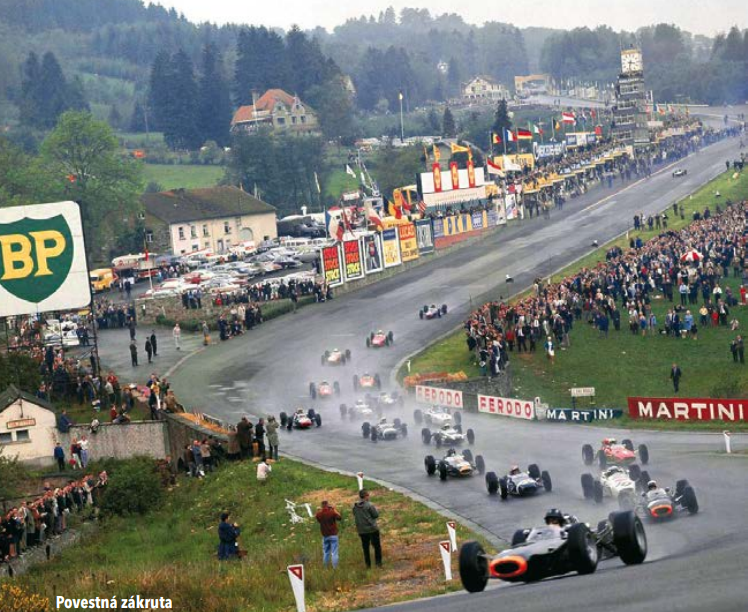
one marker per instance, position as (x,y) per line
(441,397)
(354,267)
(42,259)
(688,409)
(332,265)
(408,242)
(582,416)
(391,248)
(518,409)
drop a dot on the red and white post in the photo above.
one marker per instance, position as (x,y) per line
(452,531)
(445,548)
(296,576)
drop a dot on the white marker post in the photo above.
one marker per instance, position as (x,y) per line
(452,531)
(360,477)
(296,576)
(445,548)
(728,447)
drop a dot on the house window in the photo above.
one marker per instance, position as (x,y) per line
(193,231)
(22,435)
(181,233)
(195,247)
(293,120)
(207,244)
(281,121)
(206,233)
(6,438)
(226,227)
(149,236)
(303,118)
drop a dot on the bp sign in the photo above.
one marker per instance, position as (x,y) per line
(42,259)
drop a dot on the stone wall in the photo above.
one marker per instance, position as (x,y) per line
(148,438)
(180,432)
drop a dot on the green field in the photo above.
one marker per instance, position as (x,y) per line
(171,551)
(623,365)
(187,176)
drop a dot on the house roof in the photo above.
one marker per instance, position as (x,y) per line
(267,104)
(243,114)
(271,96)
(187,205)
(12,393)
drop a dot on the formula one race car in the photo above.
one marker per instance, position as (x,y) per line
(657,503)
(617,454)
(336,357)
(679,172)
(617,482)
(519,483)
(323,389)
(563,545)
(366,381)
(455,464)
(447,435)
(361,409)
(432,312)
(436,415)
(384,430)
(386,399)
(379,339)
(300,419)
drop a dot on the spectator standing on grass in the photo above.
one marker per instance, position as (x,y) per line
(177,335)
(260,438)
(271,431)
(740,349)
(83,445)
(366,515)
(675,376)
(228,548)
(327,517)
(59,454)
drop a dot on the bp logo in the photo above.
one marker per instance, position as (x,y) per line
(35,257)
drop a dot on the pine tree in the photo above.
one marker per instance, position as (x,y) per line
(30,91)
(137,120)
(159,97)
(53,91)
(501,120)
(182,130)
(454,77)
(449,129)
(214,102)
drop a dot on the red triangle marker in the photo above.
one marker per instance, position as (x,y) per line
(297,570)
(445,545)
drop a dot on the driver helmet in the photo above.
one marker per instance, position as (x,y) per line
(383,420)
(554,515)
(299,410)
(451,452)
(514,470)
(335,350)
(652,485)
(614,470)
(380,332)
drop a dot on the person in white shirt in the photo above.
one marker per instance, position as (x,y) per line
(83,443)
(177,333)
(263,471)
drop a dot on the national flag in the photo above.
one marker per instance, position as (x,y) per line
(569,118)
(394,210)
(316,182)
(422,207)
(598,130)
(349,171)
(334,227)
(536,129)
(510,136)
(493,168)
(523,134)
(459,149)
(373,217)
(495,138)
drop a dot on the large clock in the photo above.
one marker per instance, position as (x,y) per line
(631,61)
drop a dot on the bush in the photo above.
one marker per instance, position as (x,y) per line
(16,597)
(134,488)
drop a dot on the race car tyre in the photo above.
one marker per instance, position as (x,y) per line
(326,354)
(534,471)
(371,335)
(366,429)
(473,567)
(377,381)
(404,430)
(347,354)
(420,314)
(311,414)
(643,480)
(318,420)
(588,455)
(628,444)
(355,382)
(312,391)
(343,410)
(390,337)
(582,548)
(602,459)
(471,436)
(588,486)
(444,309)
(690,501)
(442,470)
(397,423)
(635,472)
(480,464)
(597,492)
(643,454)
(680,487)
(283,419)
(438,440)
(629,537)
(368,343)
(425,309)
(503,488)
(374,436)
(458,428)
(519,537)
(426,435)
(336,387)
(418,416)
(492,483)
(468,454)
(547,482)
(457,417)
(430,464)
(289,424)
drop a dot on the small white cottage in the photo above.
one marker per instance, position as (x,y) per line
(27,426)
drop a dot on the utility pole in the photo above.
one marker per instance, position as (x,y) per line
(402,128)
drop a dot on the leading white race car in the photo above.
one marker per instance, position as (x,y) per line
(361,409)
(432,312)
(447,435)
(384,430)
(336,357)
(617,482)
(437,415)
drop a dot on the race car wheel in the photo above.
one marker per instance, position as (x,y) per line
(597,492)
(318,420)
(628,444)
(442,470)
(480,464)
(438,440)
(468,454)
(336,387)
(519,537)
(473,567)
(311,414)
(635,472)
(347,354)
(582,548)
(420,314)
(629,537)
(312,391)
(425,435)
(680,486)
(643,454)
(457,417)
(343,410)
(503,489)
(444,309)
(366,429)
(588,455)
(458,428)
(643,480)
(690,501)
(397,423)
(404,430)
(425,309)
(374,435)
(430,464)
(390,337)
(588,484)
(368,343)
(326,354)
(547,482)
(471,436)
(492,483)
(283,418)
(533,470)
(377,381)
(418,416)
(602,459)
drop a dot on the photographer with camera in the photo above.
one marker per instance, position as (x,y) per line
(327,517)
(228,547)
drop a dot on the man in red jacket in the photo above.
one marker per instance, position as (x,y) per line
(327,517)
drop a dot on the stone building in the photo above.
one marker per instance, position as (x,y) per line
(279,111)
(482,88)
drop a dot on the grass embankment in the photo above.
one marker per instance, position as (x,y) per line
(624,365)
(171,552)
(187,176)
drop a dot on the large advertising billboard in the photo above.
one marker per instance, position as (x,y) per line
(373,254)
(332,265)
(688,409)
(42,259)
(408,243)
(391,248)
(354,267)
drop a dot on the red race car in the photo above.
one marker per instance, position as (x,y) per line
(611,452)
(379,339)
(366,381)
(300,419)
(323,389)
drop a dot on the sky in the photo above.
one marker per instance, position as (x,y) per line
(698,16)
